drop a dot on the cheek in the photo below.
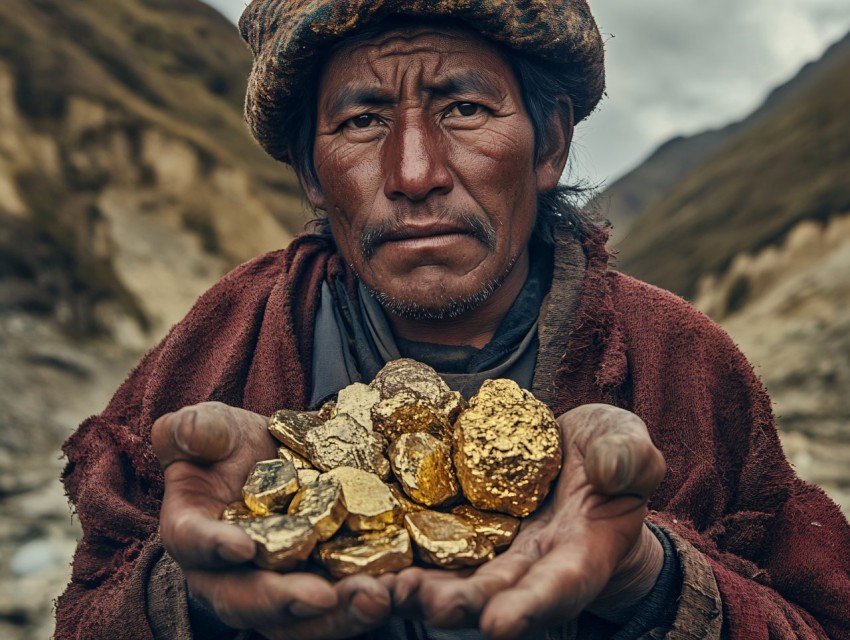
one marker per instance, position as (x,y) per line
(498,170)
(350,179)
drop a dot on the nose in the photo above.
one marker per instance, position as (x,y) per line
(415,163)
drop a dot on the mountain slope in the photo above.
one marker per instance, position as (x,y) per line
(636,191)
(123,151)
(790,166)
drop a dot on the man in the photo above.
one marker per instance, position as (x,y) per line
(433,136)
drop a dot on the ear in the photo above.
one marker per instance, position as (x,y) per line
(313,191)
(555,147)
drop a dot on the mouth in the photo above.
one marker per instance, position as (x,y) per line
(421,235)
(418,232)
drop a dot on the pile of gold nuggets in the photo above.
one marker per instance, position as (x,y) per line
(397,470)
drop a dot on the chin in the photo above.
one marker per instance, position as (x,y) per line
(437,306)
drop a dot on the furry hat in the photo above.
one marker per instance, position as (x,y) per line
(288,38)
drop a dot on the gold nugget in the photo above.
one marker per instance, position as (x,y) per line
(507,449)
(407,505)
(372,552)
(283,541)
(406,375)
(357,400)
(237,511)
(446,540)
(423,466)
(496,527)
(327,411)
(453,403)
(308,476)
(300,462)
(322,503)
(379,456)
(344,442)
(407,412)
(270,486)
(371,505)
(291,428)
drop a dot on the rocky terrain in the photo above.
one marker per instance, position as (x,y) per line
(128,184)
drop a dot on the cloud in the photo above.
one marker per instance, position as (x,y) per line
(231,9)
(680,68)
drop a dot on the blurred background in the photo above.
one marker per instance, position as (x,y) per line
(129,183)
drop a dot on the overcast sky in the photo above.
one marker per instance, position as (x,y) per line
(678,67)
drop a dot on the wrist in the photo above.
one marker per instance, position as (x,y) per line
(633,579)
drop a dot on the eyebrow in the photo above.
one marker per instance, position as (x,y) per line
(464,83)
(467,82)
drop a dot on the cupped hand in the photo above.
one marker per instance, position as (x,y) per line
(206,452)
(586,548)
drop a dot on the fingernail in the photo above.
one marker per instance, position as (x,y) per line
(624,471)
(186,421)
(375,599)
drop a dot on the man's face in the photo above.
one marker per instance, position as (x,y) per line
(425,159)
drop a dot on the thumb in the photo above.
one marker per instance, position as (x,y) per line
(202,434)
(619,456)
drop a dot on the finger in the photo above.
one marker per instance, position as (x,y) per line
(624,464)
(619,457)
(555,589)
(198,541)
(388,580)
(200,434)
(363,603)
(252,598)
(450,599)
(410,600)
(369,600)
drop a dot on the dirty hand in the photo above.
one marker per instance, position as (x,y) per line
(206,452)
(587,548)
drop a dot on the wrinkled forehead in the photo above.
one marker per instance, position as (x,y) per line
(382,56)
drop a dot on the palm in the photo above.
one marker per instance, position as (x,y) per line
(203,479)
(565,554)
(207,451)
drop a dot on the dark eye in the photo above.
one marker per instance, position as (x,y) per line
(363,121)
(467,108)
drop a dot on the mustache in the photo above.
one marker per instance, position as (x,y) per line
(376,234)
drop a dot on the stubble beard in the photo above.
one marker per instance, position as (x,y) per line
(444,308)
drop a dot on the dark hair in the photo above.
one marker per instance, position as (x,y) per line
(541,84)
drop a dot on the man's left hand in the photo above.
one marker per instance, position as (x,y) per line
(586,548)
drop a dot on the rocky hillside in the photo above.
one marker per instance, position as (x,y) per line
(128,184)
(127,179)
(758,235)
(638,190)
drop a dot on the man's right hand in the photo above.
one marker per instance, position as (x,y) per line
(206,452)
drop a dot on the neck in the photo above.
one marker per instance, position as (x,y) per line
(476,327)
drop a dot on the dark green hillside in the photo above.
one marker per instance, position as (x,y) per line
(794,165)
